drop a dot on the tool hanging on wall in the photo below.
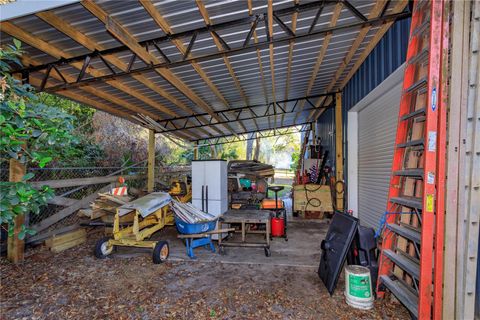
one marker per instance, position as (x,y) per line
(411,259)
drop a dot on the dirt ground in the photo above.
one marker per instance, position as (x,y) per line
(75,285)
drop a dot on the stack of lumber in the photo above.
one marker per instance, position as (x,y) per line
(64,241)
(187,212)
(105,207)
(251,168)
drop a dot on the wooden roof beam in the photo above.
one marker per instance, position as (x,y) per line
(121,34)
(321,55)
(163,24)
(290,58)
(46,47)
(36,81)
(61,25)
(226,60)
(399,7)
(272,60)
(259,59)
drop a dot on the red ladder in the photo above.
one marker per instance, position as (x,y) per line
(411,260)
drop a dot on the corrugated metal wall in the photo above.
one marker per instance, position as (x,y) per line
(388,55)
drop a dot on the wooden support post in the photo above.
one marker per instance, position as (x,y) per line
(15,249)
(195,151)
(339,146)
(151,161)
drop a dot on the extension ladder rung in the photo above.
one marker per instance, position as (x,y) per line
(413,143)
(423,55)
(405,232)
(416,113)
(412,173)
(411,202)
(405,263)
(418,85)
(406,296)
(421,28)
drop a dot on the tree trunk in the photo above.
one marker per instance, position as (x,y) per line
(257,149)
(250,149)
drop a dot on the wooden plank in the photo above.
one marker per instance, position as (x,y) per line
(44,224)
(56,184)
(451,213)
(462,216)
(68,245)
(312,197)
(271,56)
(151,161)
(472,172)
(60,239)
(15,246)
(62,201)
(40,237)
(289,63)
(339,146)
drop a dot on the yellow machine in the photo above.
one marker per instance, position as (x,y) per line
(181,190)
(151,213)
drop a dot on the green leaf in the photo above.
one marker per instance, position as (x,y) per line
(21,235)
(30,232)
(36,133)
(18,209)
(44,161)
(17,43)
(28,176)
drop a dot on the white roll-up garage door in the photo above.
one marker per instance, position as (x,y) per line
(377,124)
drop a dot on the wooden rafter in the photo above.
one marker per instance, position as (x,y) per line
(226,60)
(49,49)
(124,36)
(61,25)
(163,24)
(271,51)
(376,11)
(290,58)
(35,80)
(321,55)
(259,59)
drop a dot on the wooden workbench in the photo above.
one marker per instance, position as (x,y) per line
(245,218)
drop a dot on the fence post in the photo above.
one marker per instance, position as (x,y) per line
(151,161)
(15,246)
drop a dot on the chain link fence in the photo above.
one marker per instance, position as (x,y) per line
(75,192)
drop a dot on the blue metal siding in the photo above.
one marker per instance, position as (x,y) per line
(389,54)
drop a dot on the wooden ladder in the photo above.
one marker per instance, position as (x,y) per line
(411,259)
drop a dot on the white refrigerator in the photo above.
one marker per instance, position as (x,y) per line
(209,186)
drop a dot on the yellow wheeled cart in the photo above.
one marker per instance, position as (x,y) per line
(151,213)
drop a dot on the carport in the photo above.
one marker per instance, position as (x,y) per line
(205,73)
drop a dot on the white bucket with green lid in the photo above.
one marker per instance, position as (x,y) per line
(358,287)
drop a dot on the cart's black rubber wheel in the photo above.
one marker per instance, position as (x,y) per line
(160,252)
(267,252)
(101,248)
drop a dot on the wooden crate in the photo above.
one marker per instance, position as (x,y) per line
(312,197)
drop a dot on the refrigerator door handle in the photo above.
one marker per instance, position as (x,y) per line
(206,198)
(203,199)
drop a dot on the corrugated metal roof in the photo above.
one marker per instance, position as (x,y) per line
(184,16)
